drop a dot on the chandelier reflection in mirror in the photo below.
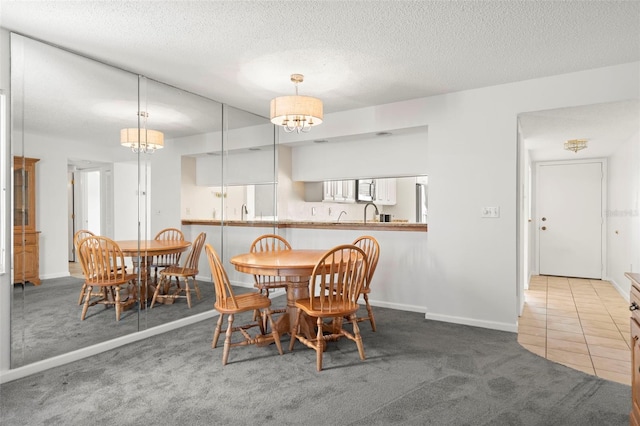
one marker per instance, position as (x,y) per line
(298,113)
(575,145)
(142,139)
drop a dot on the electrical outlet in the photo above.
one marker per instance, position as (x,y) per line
(490,212)
(313,211)
(188,211)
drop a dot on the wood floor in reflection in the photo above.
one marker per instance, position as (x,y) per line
(75,270)
(580,323)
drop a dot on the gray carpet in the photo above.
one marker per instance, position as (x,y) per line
(46,315)
(417,372)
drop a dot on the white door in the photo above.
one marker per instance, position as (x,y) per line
(569,219)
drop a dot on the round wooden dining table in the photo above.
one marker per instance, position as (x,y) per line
(142,252)
(296,266)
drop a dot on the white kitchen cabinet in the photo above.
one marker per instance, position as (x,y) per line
(385,192)
(336,191)
(339,191)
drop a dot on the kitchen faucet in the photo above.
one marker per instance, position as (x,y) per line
(365,210)
(340,215)
(243,211)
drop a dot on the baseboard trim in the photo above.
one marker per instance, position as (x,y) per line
(501,326)
(396,306)
(37,367)
(624,293)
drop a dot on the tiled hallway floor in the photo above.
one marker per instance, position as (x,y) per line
(580,323)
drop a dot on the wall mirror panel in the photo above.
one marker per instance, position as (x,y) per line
(68,112)
(249,178)
(189,123)
(54,94)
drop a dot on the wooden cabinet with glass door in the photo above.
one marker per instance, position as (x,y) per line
(26,264)
(635,347)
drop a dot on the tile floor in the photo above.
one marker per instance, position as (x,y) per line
(580,323)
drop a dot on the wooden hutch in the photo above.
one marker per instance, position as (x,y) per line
(635,347)
(26,262)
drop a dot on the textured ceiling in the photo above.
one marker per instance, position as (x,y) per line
(352,53)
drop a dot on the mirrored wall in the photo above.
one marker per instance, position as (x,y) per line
(70,115)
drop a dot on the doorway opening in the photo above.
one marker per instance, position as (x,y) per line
(90,201)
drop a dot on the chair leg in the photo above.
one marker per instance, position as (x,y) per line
(356,334)
(82,291)
(319,344)
(216,332)
(195,286)
(294,331)
(256,313)
(118,305)
(87,298)
(370,312)
(274,331)
(187,290)
(157,291)
(227,340)
(262,322)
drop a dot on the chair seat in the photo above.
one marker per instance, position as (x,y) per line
(110,283)
(337,310)
(161,264)
(179,271)
(246,302)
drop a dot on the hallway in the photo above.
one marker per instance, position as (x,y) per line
(580,323)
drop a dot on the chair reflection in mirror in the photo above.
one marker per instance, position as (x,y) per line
(166,260)
(77,237)
(334,289)
(229,304)
(103,267)
(184,272)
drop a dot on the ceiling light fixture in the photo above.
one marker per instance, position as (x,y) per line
(575,145)
(298,113)
(142,139)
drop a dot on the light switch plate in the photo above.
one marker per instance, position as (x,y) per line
(490,212)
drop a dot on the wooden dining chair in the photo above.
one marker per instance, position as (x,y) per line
(334,289)
(372,249)
(228,304)
(77,237)
(166,260)
(103,267)
(264,283)
(188,270)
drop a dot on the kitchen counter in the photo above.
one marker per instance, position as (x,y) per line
(373,226)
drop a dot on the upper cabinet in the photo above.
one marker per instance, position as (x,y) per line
(340,191)
(379,191)
(385,191)
(335,191)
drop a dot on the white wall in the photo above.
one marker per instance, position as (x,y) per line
(470,158)
(623,214)
(375,157)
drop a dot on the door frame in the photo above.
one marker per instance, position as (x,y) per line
(78,203)
(603,195)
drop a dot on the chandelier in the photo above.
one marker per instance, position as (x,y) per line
(575,145)
(142,139)
(298,113)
